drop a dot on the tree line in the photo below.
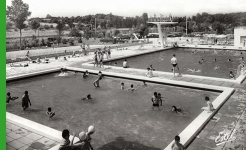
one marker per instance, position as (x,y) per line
(19,12)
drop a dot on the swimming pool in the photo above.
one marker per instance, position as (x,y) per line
(161,61)
(121,118)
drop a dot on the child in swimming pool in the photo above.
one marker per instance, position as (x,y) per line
(176,109)
(122,86)
(155,101)
(8,98)
(132,88)
(49,113)
(177,145)
(160,98)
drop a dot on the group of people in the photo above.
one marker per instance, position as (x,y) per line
(84,142)
(99,56)
(25,100)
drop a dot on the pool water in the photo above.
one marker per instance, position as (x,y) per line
(122,119)
(161,61)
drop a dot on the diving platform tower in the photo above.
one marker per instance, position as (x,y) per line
(161,21)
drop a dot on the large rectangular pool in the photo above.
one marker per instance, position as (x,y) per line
(123,119)
(161,61)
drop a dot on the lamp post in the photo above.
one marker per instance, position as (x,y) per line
(95,27)
(186,24)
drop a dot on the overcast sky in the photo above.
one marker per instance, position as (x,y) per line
(131,8)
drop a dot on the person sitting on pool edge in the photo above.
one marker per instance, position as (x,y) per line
(65,141)
(49,113)
(231,75)
(210,107)
(151,68)
(90,131)
(125,65)
(8,98)
(82,143)
(149,73)
(25,101)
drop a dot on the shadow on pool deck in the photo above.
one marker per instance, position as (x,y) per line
(120,143)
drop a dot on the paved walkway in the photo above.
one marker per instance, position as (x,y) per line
(231,118)
(21,138)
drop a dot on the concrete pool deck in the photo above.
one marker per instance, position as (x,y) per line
(231,115)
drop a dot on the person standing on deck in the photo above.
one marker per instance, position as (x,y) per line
(174,63)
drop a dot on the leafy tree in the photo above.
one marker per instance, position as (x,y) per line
(46,27)
(244,21)
(9,25)
(70,24)
(218,27)
(18,13)
(35,25)
(74,33)
(145,18)
(48,16)
(60,28)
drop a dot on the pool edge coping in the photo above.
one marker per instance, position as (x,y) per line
(239,79)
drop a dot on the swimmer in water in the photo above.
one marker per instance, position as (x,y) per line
(176,109)
(49,113)
(87,97)
(132,88)
(215,59)
(216,67)
(229,60)
(122,86)
(193,70)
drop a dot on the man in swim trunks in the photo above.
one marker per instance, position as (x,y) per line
(174,62)
(96,82)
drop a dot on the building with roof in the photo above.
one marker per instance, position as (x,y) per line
(240,36)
